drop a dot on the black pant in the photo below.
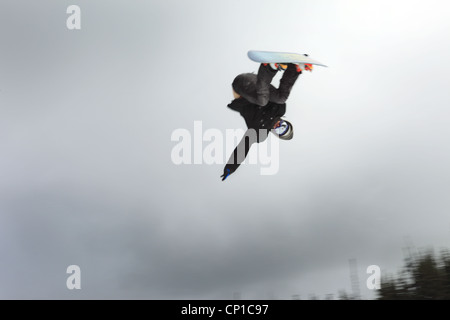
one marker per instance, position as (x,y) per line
(263,92)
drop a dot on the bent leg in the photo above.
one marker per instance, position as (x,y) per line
(287,81)
(257,89)
(263,87)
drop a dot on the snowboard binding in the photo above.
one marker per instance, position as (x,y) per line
(283,66)
(277,66)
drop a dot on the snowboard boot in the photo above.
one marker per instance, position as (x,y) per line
(277,66)
(304,67)
(282,66)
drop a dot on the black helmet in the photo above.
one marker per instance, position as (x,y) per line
(284,130)
(244,83)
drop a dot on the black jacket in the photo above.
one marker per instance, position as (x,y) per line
(259,118)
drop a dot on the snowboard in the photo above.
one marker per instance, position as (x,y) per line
(281,57)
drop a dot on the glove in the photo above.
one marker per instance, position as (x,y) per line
(226,173)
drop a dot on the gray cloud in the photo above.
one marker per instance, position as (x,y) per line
(87,179)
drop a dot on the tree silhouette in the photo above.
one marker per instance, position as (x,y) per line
(424,277)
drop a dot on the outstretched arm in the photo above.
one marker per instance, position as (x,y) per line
(240,153)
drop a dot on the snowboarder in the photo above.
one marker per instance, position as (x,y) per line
(262,106)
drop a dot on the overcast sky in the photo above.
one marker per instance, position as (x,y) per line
(86,176)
